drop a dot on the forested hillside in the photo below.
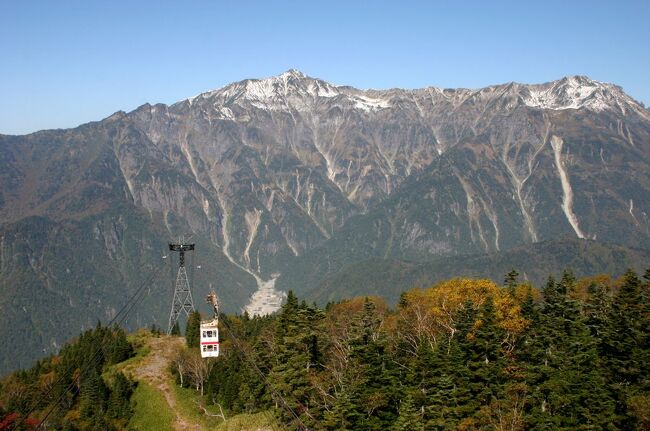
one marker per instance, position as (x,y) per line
(464,354)
(74,389)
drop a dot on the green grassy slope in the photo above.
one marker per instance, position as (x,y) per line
(150,410)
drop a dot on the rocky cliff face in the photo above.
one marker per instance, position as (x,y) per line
(291,175)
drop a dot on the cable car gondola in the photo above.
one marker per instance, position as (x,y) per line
(209,330)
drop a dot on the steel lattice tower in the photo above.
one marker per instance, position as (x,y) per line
(182,302)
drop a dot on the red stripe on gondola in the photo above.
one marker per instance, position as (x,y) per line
(209,342)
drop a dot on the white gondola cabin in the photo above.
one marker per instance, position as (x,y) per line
(210,330)
(210,338)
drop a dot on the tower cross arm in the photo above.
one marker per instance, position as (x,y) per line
(181,247)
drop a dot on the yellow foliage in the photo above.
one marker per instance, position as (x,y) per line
(73,415)
(441,304)
(46,380)
(355,305)
(344,312)
(389,323)
(12,388)
(582,285)
(521,292)
(639,406)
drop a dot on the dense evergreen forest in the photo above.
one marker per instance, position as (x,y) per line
(465,354)
(74,387)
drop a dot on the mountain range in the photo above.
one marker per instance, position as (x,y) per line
(291,182)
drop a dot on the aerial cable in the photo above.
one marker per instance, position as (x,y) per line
(251,361)
(131,301)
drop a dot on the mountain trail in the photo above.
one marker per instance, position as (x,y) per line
(154,369)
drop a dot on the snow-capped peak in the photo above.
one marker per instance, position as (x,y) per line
(293,90)
(574,92)
(254,89)
(289,90)
(292,73)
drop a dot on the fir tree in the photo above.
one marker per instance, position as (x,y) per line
(408,419)
(376,389)
(343,415)
(295,348)
(597,309)
(119,405)
(116,347)
(440,382)
(626,332)
(569,387)
(511,281)
(485,360)
(93,395)
(192,335)
(626,346)
(176,330)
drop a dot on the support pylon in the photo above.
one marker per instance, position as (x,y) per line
(182,302)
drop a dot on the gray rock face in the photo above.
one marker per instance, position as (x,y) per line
(292,175)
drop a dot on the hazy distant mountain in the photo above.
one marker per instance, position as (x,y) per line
(296,178)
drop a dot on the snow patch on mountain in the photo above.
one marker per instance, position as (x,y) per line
(369,104)
(575,92)
(293,90)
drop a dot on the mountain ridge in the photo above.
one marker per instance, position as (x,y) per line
(574,82)
(297,74)
(291,171)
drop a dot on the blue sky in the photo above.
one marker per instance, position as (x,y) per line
(64,63)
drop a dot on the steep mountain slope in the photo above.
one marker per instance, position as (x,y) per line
(293,177)
(74,247)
